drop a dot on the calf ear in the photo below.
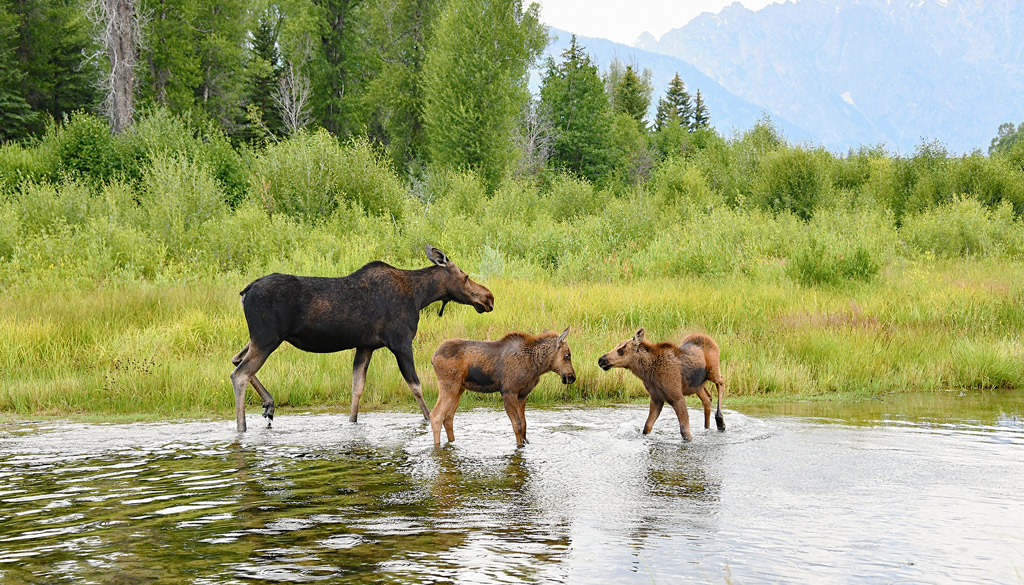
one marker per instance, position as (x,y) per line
(638,338)
(562,337)
(436,256)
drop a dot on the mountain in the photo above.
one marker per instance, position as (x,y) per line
(729,112)
(867,71)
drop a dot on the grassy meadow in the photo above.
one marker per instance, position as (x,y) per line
(121,259)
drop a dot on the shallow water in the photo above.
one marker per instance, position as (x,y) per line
(882,491)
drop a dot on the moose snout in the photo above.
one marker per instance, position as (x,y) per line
(486,304)
(568,378)
(604,363)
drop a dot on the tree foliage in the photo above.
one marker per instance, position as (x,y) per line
(675,108)
(572,92)
(475,85)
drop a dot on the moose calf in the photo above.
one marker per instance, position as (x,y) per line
(512,366)
(670,373)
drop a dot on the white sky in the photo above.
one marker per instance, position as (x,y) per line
(623,20)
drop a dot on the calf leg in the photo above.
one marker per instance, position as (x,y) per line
(715,375)
(512,409)
(684,418)
(359,367)
(705,399)
(652,416)
(522,416)
(448,395)
(244,373)
(268,400)
(405,364)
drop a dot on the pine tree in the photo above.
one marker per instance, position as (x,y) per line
(573,94)
(475,82)
(264,67)
(675,107)
(631,96)
(701,118)
(15,114)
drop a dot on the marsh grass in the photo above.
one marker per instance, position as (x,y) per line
(164,349)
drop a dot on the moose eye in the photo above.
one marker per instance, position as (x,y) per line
(621,352)
(467,278)
(568,357)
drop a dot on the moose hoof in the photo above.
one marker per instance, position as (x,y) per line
(268,410)
(720,422)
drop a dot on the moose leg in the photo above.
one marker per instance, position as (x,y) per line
(512,409)
(268,400)
(705,399)
(244,373)
(652,416)
(684,418)
(444,410)
(522,416)
(359,366)
(405,364)
(719,419)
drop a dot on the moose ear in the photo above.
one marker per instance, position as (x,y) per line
(638,338)
(562,337)
(436,256)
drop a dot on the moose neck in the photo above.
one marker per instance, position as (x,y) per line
(428,285)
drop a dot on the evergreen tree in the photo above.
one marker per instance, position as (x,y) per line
(631,96)
(475,82)
(573,95)
(15,114)
(701,118)
(265,64)
(341,65)
(675,107)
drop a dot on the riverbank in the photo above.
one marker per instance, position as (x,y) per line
(163,349)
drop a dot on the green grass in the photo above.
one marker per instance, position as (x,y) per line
(144,349)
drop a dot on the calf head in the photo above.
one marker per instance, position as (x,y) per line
(458,286)
(624,354)
(561,359)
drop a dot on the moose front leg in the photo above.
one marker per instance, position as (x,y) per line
(359,367)
(403,354)
(655,412)
(518,424)
(684,418)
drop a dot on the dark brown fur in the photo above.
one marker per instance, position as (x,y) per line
(512,366)
(670,373)
(376,306)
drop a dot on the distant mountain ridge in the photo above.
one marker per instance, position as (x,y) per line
(863,72)
(729,112)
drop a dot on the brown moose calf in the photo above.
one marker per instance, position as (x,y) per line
(512,366)
(670,373)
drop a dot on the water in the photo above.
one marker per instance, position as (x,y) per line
(886,491)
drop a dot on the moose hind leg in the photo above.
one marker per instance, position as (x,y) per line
(512,409)
(705,400)
(268,400)
(405,363)
(244,373)
(359,367)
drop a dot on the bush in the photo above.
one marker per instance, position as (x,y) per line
(678,182)
(964,228)
(843,245)
(309,174)
(85,148)
(793,179)
(177,196)
(570,197)
(19,163)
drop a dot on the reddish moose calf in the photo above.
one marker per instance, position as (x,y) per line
(512,366)
(670,373)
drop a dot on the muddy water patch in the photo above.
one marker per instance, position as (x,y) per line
(883,497)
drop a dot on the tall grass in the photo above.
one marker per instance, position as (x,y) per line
(121,258)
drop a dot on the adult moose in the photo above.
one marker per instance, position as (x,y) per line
(376,306)
(670,373)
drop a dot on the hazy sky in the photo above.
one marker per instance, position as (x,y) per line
(624,20)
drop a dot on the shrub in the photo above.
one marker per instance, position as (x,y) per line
(84,147)
(310,173)
(46,208)
(678,182)
(177,196)
(570,197)
(843,245)
(965,227)
(19,163)
(793,179)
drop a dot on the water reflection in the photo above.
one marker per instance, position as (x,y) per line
(884,495)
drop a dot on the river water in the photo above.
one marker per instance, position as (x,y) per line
(896,490)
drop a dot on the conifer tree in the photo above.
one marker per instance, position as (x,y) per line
(631,96)
(701,117)
(572,93)
(15,114)
(675,107)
